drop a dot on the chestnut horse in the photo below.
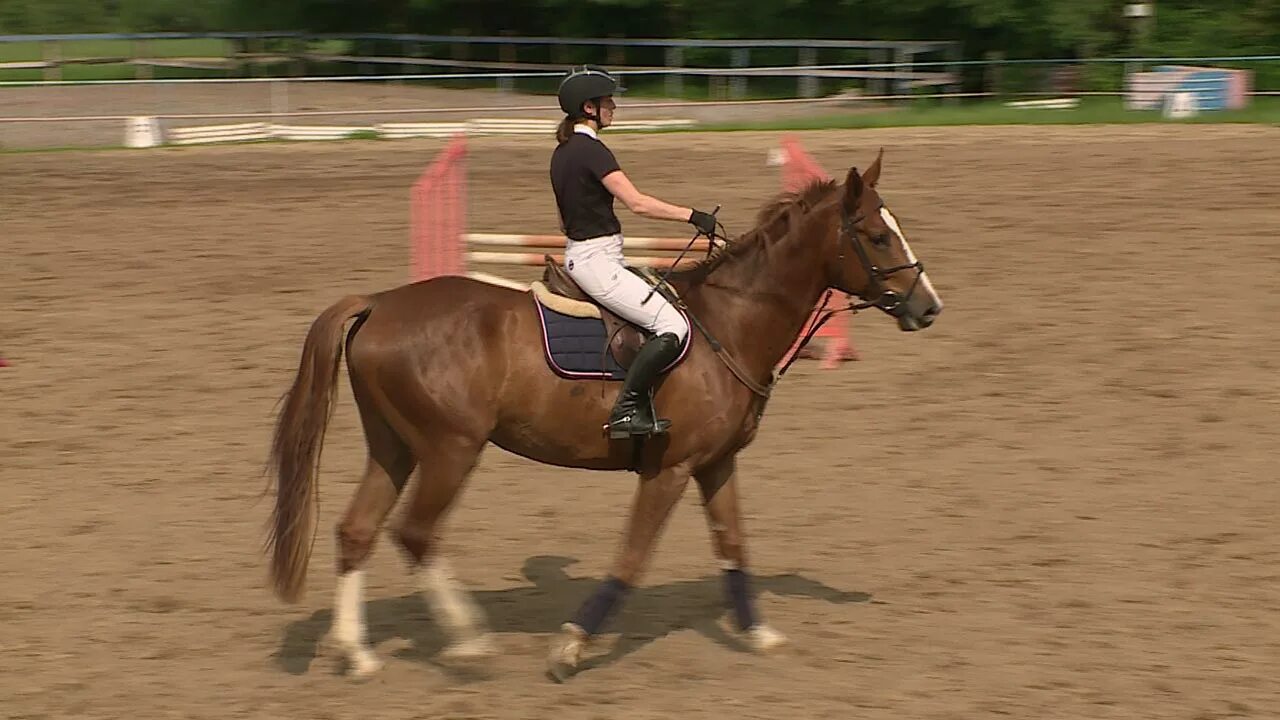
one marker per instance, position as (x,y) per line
(442,367)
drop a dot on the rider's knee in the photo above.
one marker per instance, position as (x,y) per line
(676,325)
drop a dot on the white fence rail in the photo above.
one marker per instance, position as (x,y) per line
(263,108)
(243,132)
(146,132)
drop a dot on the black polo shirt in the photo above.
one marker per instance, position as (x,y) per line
(586,206)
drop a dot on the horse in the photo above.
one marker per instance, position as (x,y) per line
(442,367)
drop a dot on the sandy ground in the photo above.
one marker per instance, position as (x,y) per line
(1058,502)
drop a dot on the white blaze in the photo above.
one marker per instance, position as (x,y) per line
(925,285)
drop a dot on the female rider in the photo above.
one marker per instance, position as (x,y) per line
(586,178)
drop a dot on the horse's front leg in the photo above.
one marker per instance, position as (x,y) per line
(719,486)
(654,501)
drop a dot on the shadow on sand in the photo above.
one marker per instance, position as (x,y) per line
(648,614)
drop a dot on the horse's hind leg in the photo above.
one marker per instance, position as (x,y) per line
(447,461)
(386,472)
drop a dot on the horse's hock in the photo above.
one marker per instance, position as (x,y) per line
(441,244)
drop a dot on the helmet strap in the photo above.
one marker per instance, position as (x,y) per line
(596,116)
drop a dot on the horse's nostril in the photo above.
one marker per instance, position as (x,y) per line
(933,312)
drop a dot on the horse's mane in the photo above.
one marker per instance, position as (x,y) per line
(771,226)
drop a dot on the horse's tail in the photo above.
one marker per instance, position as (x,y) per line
(295,450)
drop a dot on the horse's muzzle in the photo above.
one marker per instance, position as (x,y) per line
(910,321)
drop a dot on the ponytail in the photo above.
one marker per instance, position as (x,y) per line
(564,130)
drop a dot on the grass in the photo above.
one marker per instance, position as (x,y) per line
(1099,110)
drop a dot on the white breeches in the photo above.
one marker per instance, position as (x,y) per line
(597,265)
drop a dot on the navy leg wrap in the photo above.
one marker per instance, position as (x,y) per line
(737,587)
(596,609)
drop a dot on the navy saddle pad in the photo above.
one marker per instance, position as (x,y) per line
(576,348)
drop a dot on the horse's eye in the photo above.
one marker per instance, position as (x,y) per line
(881,239)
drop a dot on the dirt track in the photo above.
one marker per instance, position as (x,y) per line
(1059,502)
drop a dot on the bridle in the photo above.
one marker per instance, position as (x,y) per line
(886,299)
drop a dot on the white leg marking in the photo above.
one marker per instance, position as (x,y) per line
(925,285)
(349,624)
(453,608)
(764,638)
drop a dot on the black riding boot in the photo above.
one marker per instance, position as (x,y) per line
(633,412)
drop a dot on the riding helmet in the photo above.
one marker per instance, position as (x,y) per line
(583,83)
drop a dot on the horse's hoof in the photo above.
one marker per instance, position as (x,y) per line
(559,672)
(474,648)
(355,661)
(566,652)
(763,638)
(364,665)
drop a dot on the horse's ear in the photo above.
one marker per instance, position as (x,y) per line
(872,175)
(852,189)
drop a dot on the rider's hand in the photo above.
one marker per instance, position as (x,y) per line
(705,222)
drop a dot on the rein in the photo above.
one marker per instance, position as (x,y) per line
(763,391)
(886,300)
(815,325)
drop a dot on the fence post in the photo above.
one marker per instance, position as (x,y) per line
(901,85)
(298,56)
(738,85)
(506,54)
(139,52)
(53,56)
(410,51)
(808,84)
(457,50)
(675,82)
(878,85)
(957,84)
(253,46)
(617,53)
(994,79)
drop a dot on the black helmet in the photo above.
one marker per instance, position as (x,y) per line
(584,83)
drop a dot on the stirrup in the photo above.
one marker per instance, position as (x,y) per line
(625,428)
(660,427)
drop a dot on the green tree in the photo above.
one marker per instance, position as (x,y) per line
(1016,28)
(56,16)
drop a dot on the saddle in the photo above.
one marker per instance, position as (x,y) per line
(559,292)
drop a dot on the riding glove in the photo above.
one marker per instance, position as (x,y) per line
(705,222)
